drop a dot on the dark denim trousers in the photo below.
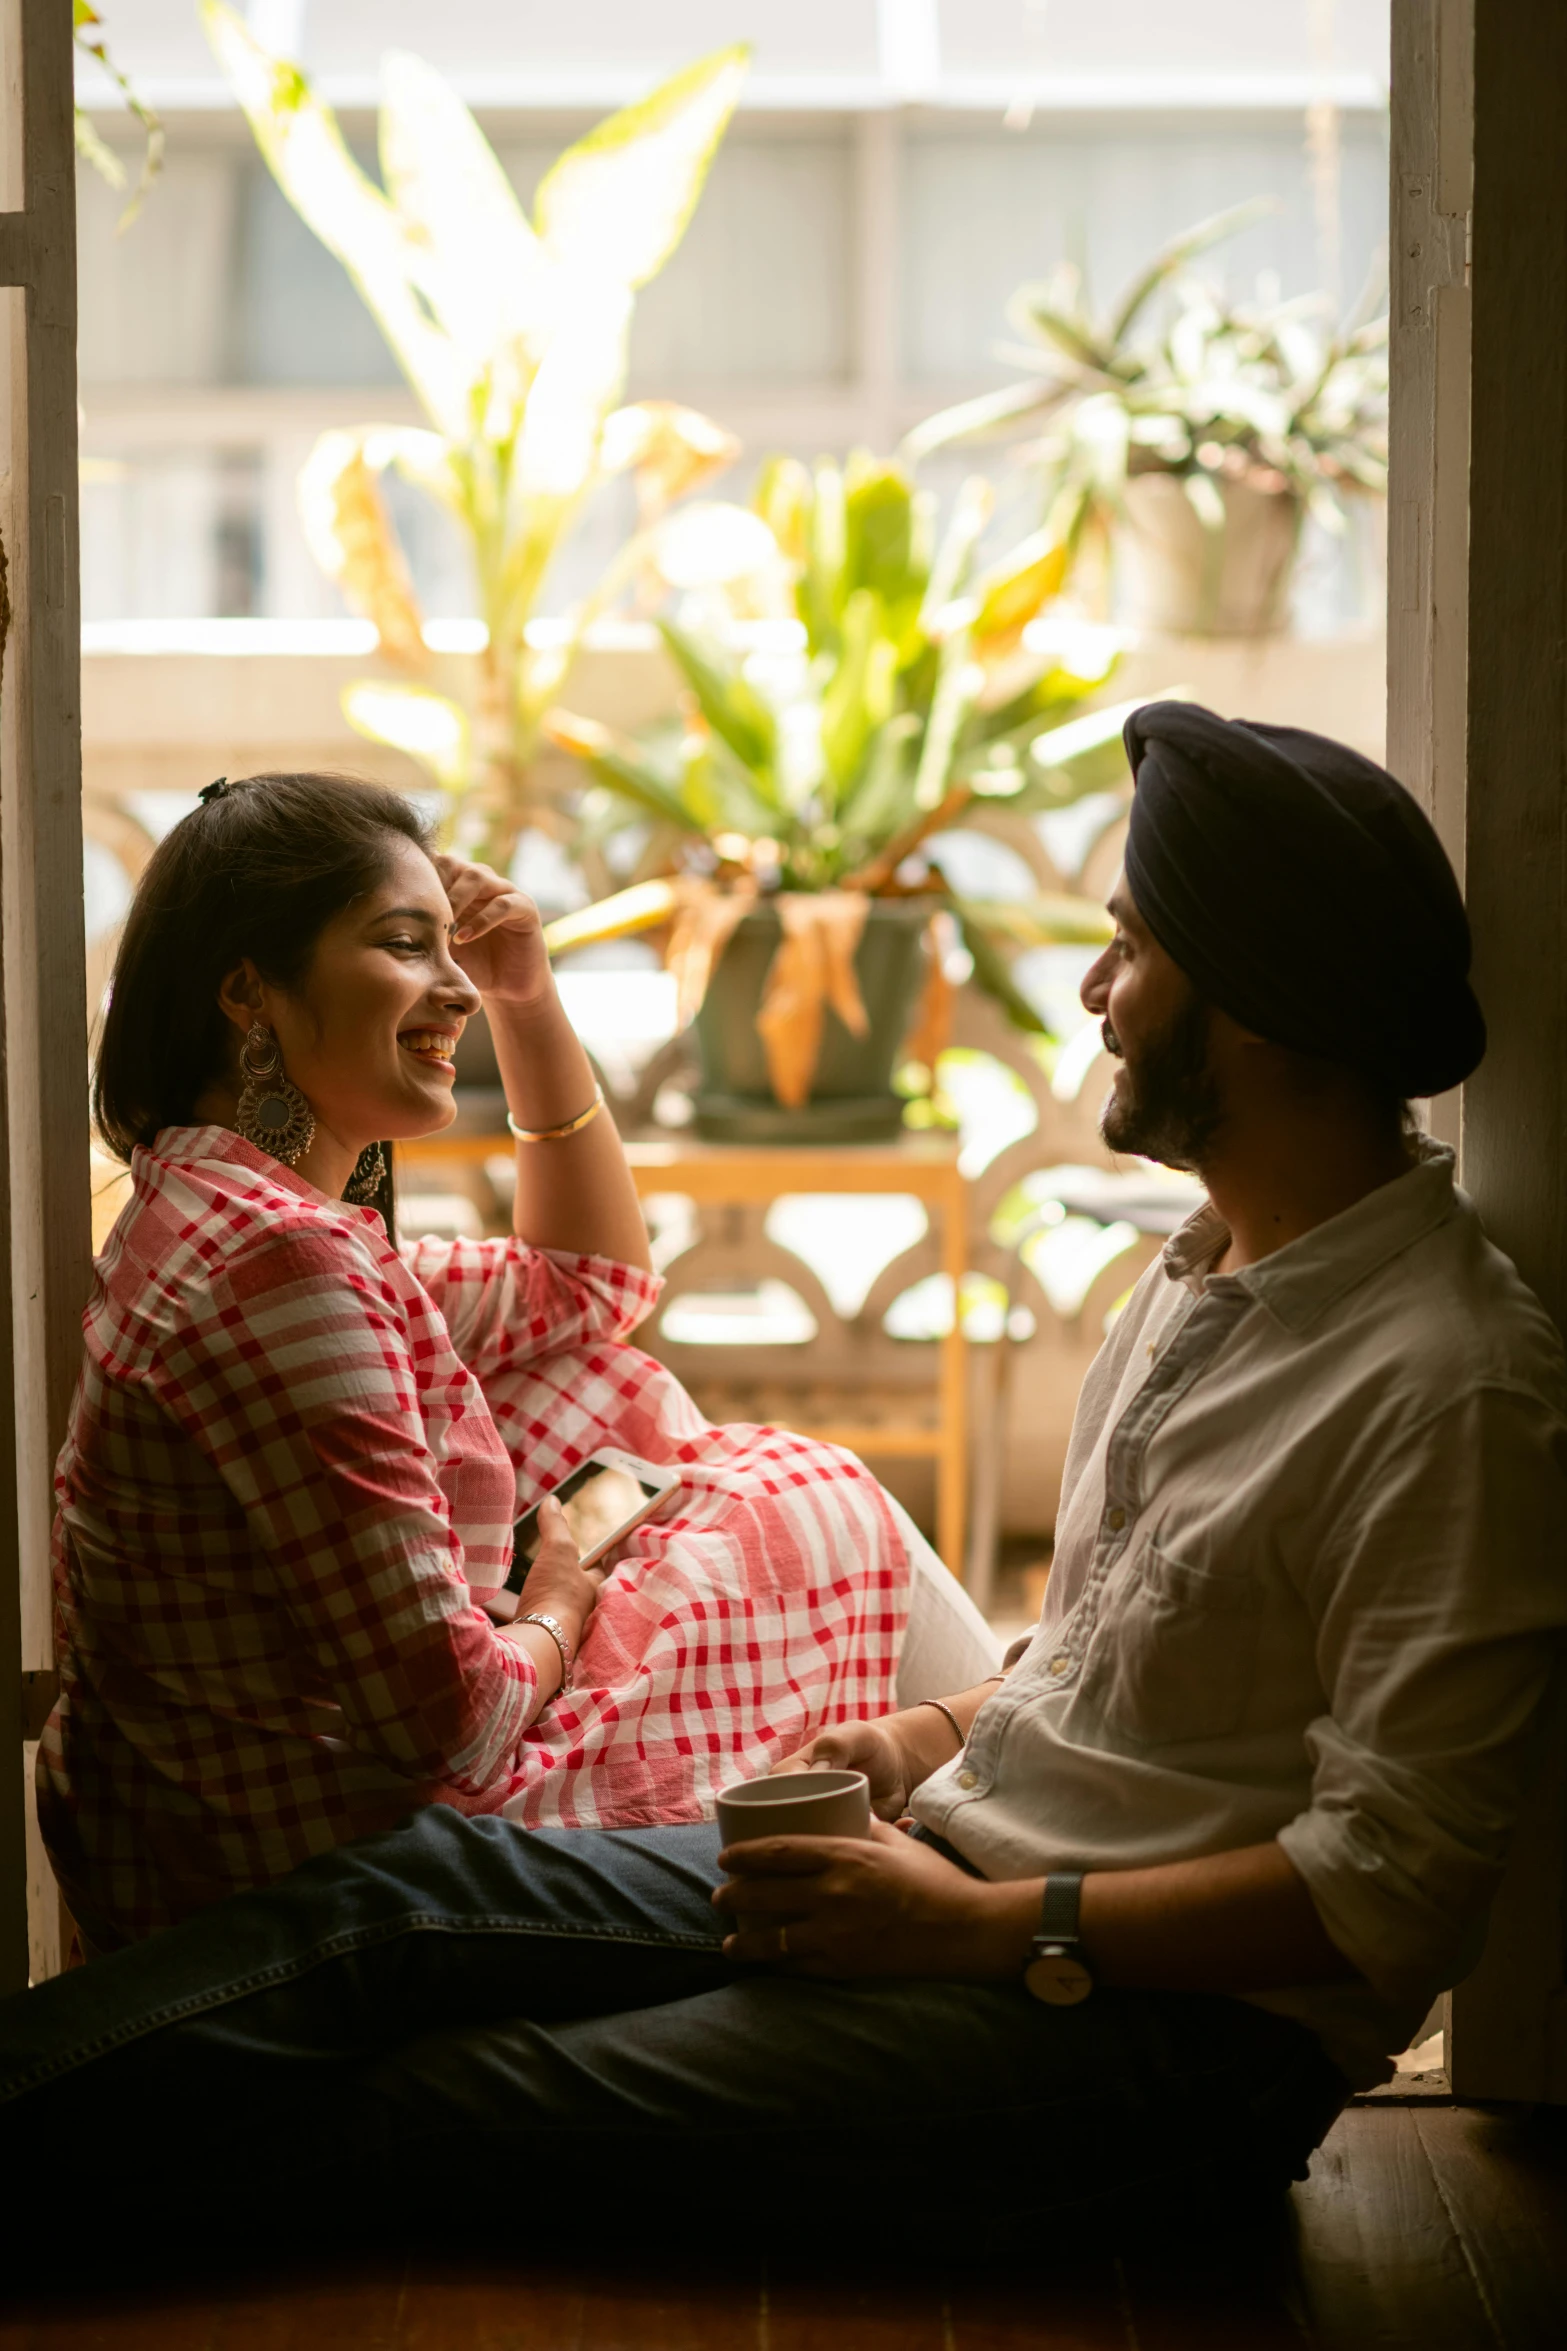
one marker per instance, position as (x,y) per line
(435,2021)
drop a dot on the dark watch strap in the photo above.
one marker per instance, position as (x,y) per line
(1058,1912)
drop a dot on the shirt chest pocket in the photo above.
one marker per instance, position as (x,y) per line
(1173,1658)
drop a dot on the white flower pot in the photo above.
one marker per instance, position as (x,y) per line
(1181,578)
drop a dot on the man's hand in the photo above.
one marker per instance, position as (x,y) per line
(871,1747)
(885,1905)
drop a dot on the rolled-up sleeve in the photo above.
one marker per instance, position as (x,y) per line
(1439,1614)
(296,1380)
(506,1303)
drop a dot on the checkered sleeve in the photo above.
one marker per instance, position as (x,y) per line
(294,1374)
(508,1304)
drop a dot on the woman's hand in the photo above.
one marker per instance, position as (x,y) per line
(555,1585)
(871,1747)
(885,1905)
(497,936)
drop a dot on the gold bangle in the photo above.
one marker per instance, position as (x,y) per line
(941,1706)
(573,1126)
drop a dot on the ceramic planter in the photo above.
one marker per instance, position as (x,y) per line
(851,1100)
(1181,579)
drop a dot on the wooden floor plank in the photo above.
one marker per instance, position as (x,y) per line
(1236,2295)
(1080,2308)
(1503,2180)
(449,2304)
(1420,2229)
(351,2308)
(1381,2266)
(692,2309)
(818,2311)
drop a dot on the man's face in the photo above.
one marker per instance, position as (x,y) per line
(1165,1102)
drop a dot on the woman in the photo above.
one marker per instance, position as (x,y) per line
(296,1454)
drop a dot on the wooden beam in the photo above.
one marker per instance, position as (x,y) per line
(16,249)
(1515,848)
(46,1219)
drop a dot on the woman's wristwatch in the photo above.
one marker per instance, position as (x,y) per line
(559,1635)
(1056,1972)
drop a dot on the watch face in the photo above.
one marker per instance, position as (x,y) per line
(1059,1981)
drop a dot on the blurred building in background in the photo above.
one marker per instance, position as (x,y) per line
(896,170)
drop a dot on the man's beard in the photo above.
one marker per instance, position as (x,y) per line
(1168,1108)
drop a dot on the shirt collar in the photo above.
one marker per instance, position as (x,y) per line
(193,1146)
(1299,1282)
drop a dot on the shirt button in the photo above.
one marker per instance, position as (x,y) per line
(968,1779)
(1060,1664)
(1116,1521)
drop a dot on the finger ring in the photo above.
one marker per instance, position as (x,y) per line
(783,1942)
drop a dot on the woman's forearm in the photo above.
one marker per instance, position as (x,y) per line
(926,1739)
(544,1652)
(575,1193)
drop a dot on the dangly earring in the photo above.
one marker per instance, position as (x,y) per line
(368,1176)
(273,1113)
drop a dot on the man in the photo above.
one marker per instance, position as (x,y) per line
(1188,1873)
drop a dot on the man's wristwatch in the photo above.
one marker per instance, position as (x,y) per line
(1055,1972)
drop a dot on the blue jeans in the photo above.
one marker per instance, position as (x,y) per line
(438,2016)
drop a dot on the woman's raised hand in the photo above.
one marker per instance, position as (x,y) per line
(497,936)
(555,1585)
(871,1747)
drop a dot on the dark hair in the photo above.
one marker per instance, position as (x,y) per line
(258,870)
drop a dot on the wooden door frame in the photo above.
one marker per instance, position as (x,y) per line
(45,1253)
(1477,725)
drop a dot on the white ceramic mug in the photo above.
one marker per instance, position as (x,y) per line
(796,1804)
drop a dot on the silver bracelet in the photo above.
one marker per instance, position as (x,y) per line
(558,1634)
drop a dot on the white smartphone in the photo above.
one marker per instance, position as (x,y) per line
(604,1497)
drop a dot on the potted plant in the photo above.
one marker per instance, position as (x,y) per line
(512,333)
(1196,441)
(853,695)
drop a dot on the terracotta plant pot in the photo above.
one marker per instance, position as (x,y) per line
(852,1100)
(1181,579)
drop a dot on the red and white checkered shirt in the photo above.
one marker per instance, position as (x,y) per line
(294,1456)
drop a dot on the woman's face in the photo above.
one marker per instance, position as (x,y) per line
(369,1036)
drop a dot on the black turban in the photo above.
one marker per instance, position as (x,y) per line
(1303,891)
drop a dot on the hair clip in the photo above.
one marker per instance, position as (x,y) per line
(216,791)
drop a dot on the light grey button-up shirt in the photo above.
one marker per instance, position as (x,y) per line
(1309,1581)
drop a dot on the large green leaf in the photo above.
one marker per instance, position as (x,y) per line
(470,245)
(882,802)
(990,969)
(1030,307)
(858,698)
(620,765)
(1179,253)
(616,205)
(879,533)
(429,727)
(1055,689)
(949,573)
(990,411)
(734,710)
(1088,754)
(300,139)
(579,380)
(949,707)
(1049,921)
(822,592)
